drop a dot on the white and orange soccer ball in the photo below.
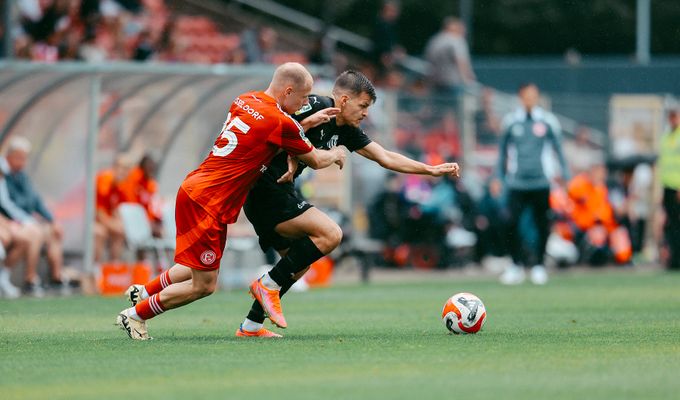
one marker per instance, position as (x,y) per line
(464,313)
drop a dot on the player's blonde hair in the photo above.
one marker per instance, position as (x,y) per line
(293,74)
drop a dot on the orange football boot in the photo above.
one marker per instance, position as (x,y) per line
(263,332)
(270,301)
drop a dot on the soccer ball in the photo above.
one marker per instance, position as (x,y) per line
(464,313)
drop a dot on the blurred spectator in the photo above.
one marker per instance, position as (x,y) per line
(140,187)
(488,125)
(109,226)
(393,80)
(590,196)
(21,239)
(259,45)
(523,167)
(386,48)
(581,151)
(491,222)
(92,30)
(31,210)
(145,47)
(638,181)
(7,289)
(449,58)
(669,168)
(317,54)
(599,236)
(388,211)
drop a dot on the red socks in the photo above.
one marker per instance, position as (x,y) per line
(158,283)
(149,308)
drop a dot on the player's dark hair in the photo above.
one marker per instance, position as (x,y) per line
(525,85)
(356,83)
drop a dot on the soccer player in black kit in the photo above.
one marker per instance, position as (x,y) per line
(285,221)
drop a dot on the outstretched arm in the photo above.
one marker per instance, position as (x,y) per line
(319,117)
(317,158)
(400,163)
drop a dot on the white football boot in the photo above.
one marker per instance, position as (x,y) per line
(513,275)
(135,329)
(134,294)
(538,275)
(7,290)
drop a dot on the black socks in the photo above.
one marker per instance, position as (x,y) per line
(301,254)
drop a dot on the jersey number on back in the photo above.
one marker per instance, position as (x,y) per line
(228,134)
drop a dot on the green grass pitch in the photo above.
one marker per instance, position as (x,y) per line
(583,336)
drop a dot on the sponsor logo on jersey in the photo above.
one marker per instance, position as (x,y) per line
(333,142)
(301,204)
(539,129)
(263,169)
(240,103)
(208,257)
(304,109)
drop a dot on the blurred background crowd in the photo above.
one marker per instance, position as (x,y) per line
(438,103)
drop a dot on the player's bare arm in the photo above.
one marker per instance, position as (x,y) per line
(319,117)
(400,163)
(318,159)
(290,173)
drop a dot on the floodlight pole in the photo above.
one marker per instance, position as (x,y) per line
(642,28)
(8,48)
(90,156)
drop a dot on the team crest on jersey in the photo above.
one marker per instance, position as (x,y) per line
(539,129)
(304,109)
(208,257)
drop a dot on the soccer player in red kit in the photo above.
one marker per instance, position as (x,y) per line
(258,126)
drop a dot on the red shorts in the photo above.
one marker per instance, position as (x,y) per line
(200,237)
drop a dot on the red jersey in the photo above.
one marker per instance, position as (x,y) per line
(255,129)
(140,189)
(109,193)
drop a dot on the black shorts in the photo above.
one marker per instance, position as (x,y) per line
(269,204)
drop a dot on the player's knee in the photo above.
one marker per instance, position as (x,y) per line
(334,235)
(204,289)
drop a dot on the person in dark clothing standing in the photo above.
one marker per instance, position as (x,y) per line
(386,47)
(524,166)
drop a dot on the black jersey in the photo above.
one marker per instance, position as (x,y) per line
(324,136)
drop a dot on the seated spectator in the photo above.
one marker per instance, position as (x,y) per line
(7,289)
(108,224)
(27,209)
(599,235)
(141,187)
(17,242)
